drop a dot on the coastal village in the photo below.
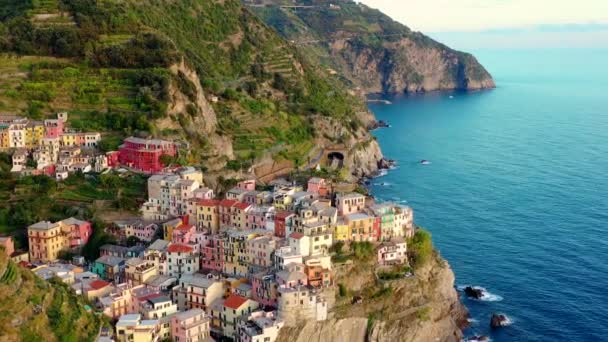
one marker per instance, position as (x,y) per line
(195,266)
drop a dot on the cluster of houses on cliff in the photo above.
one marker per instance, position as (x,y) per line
(239,267)
(49,147)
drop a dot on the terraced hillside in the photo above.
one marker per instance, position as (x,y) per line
(368,48)
(206,72)
(32,309)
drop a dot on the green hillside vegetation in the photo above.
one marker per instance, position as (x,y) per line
(106,62)
(31,199)
(33,309)
(317,27)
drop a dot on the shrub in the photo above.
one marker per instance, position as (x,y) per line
(362,250)
(421,247)
(342,291)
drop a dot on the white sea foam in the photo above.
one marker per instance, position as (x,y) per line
(477,339)
(381,173)
(486,296)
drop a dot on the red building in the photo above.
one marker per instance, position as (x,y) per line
(144,154)
(282,223)
(112,157)
(376,229)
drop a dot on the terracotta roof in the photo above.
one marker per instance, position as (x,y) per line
(209,203)
(242,206)
(98,284)
(235,301)
(149,296)
(296,236)
(228,203)
(175,248)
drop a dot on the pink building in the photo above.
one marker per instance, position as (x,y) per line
(318,186)
(264,289)
(80,231)
(53,128)
(212,256)
(7,243)
(350,203)
(247,185)
(183,233)
(190,326)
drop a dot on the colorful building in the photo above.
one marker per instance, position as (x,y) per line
(182,259)
(360,226)
(283,223)
(109,268)
(196,291)
(234,307)
(6,242)
(144,154)
(350,203)
(190,326)
(392,252)
(260,326)
(212,254)
(47,239)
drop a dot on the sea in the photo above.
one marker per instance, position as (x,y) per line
(515,193)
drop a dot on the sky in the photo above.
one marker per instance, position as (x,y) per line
(504,23)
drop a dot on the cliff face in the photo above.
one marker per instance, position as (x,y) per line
(423,308)
(405,66)
(373,52)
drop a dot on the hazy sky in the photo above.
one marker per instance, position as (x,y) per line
(475,15)
(472,24)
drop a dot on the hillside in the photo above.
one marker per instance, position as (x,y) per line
(371,51)
(32,309)
(208,73)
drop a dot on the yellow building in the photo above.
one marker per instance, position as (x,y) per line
(34,132)
(360,227)
(168,228)
(4,142)
(46,240)
(235,252)
(207,215)
(138,271)
(341,231)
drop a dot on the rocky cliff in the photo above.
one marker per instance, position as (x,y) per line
(371,51)
(423,308)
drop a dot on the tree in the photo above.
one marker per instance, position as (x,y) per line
(133,241)
(166,159)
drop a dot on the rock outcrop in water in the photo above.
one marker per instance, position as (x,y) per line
(499,321)
(473,292)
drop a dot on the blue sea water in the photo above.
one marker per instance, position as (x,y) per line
(516,195)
